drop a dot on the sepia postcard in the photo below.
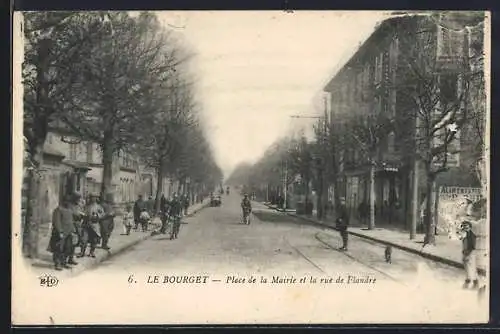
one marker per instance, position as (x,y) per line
(256,167)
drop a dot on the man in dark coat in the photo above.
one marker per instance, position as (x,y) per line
(63,227)
(78,217)
(175,212)
(164,212)
(91,233)
(139,205)
(342,223)
(107,223)
(185,204)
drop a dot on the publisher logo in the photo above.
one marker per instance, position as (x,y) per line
(48,281)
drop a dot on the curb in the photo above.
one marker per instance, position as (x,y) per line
(429,256)
(118,250)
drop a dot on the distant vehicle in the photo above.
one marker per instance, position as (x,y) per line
(215,201)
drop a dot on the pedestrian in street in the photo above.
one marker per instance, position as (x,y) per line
(186,204)
(139,206)
(164,215)
(60,243)
(107,223)
(128,219)
(150,205)
(342,223)
(163,202)
(469,255)
(78,217)
(175,213)
(145,219)
(91,234)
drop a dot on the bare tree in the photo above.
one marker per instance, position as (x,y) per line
(117,87)
(434,83)
(56,43)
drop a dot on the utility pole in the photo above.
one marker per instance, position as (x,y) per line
(285,185)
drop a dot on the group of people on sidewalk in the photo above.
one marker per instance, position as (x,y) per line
(78,224)
(85,224)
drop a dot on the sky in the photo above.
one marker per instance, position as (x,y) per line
(256,69)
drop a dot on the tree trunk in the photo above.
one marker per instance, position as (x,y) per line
(107,161)
(33,218)
(415,201)
(429,221)
(159,187)
(371,224)
(319,201)
(39,133)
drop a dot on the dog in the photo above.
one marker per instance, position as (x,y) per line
(388,254)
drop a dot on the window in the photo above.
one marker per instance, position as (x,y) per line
(448,87)
(449,42)
(78,182)
(378,68)
(90,152)
(72,151)
(391,143)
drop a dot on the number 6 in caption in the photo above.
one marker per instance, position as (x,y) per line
(131,279)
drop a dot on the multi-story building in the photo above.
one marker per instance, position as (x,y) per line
(74,165)
(370,85)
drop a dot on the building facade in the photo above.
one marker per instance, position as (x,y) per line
(370,86)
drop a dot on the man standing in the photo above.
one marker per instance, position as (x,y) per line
(139,205)
(60,243)
(164,211)
(186,204)
(91,234)
(342,223)
(107,223)
(78,216)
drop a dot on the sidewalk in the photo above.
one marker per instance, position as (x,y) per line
(446,251)
(118,243)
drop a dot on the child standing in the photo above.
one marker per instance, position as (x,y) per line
(128,219)
(144,218)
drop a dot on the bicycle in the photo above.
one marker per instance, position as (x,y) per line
(246,216)
(175,227)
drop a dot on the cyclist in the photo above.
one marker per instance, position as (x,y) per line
(175,214)
(246,206)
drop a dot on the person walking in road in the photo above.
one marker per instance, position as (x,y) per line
(175,214)
(469,255)
(139,206)
(107,223)
(342,223)
(91,234)
(246,207)
(63,227)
